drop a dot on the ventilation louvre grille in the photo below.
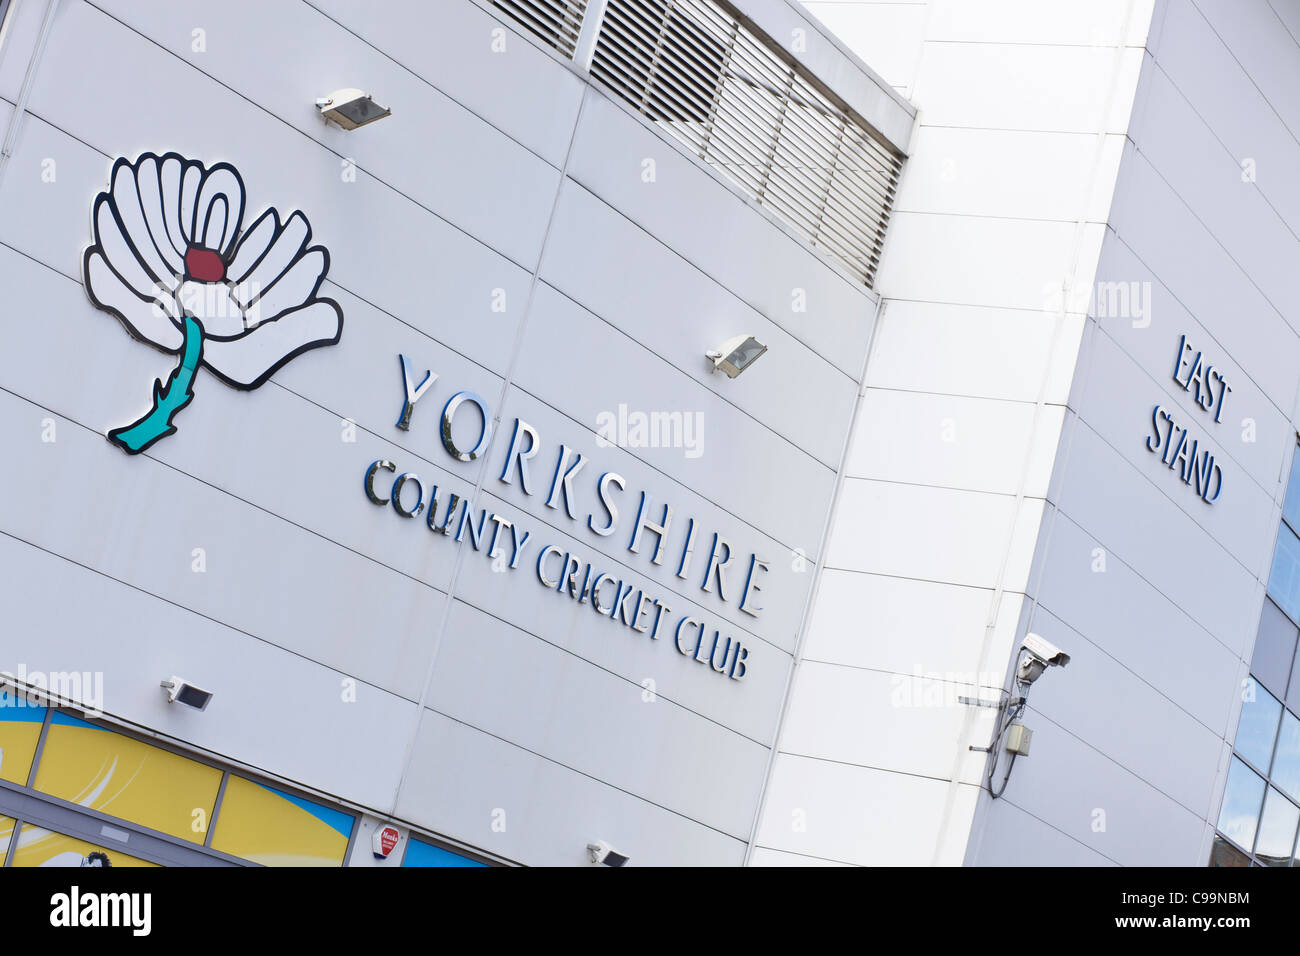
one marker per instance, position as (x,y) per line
(555,22)
(693,68)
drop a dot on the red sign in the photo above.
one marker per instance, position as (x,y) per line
(384,840)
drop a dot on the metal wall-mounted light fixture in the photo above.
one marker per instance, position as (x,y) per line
(351,108)
(736,355)
(181,691)
(602,854)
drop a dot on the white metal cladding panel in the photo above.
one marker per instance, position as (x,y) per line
(1137,521)
(461,780)
(643,288)
(1178,604)
(916,625)
(886,35)
(350,750)
(1052,89)
(1117,401)
(1154,347)
(964,172)
(449,45)
(1242,85)
(831,60)
(1013,837)
(1152,221)
(311,582)
(597,723)
(350,613)
(1175,753)
(692,67)
(927,347)
(767,268)
(889,528)
(1069,779)
(285,78)
(915,721)
(583,384)
(262,424)
(748,707)
(837,811)
(1192,159)
(430,260)
(784,586)
(973,444)
(1125,616)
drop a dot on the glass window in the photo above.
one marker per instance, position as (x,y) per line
(20,730)
(1284,579)
(1258,727)
(6,831)
(99,769)
(40,847)
(1293,685)
(1242,798)
(275,828)
(1274,648)
(1277,828)
(419,853)
(1286,763)
(1224,853)
(1291,506)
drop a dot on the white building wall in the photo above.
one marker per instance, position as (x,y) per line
(1132,741)
(499,172)
(1022,114)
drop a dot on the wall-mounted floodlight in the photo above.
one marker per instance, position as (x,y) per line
(180,691)
(351,108)
(736,355)
(602,854)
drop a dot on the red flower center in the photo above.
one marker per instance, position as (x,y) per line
(205,265)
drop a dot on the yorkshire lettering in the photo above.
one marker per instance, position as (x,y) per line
(597,502)
(1179,450)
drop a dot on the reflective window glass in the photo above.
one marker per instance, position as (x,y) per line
(1291,507)
(1242,799)
(40,847)
(275,828)
(1277,826)
(1286,762)
(1258,727)
(1274,649)
(6,831)
(99,769)
(420,853)
(1284,579)
(1224,853)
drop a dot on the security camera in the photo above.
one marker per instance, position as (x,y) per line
(602,854)
(182,691)
(1039,654)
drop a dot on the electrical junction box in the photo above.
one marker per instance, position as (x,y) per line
(1018,737)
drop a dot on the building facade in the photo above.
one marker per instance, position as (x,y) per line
(377,496)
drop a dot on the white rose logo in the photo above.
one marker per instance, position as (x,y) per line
(171,262)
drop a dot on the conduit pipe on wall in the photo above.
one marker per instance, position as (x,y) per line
(20,108)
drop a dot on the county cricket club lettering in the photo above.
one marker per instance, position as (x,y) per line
(172,262)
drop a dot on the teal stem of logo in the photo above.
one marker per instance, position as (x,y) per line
(168,399)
